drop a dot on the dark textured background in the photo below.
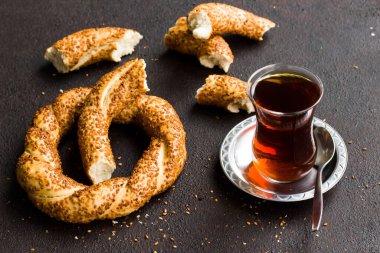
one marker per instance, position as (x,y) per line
(329,37)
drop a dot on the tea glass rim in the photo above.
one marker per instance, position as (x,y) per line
(280,68)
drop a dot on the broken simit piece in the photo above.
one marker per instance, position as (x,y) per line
(211,52)
(226,92)
(210,19)
(90,46)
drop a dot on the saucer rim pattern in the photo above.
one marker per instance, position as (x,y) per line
(229,168)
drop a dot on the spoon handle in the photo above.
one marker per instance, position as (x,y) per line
(317,202)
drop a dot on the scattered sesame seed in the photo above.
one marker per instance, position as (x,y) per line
(86,74)
(135,240)
(174,246)
(216,200)
(325,224)
(89,231)
(373,34)
(119,157)
(353,177)
(32,249)
(364,149)
(355,66)
(60,91)
(119,164)
(43,93)
(76,237)
(114,222)
(147,237)
(155,243)
(349,142)
(47,231)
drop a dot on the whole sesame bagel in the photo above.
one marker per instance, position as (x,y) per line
(217,18)
(210,52)
(39,169)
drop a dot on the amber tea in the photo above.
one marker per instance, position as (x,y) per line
(283,144)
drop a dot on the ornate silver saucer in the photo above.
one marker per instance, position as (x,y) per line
(236,156)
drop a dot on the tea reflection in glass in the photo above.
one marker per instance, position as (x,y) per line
(284,98)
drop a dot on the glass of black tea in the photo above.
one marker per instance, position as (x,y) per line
(284,98)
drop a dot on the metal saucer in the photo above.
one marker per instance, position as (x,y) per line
(236,156)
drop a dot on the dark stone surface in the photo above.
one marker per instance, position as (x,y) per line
(329,37)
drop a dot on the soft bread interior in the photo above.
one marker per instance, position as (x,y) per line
(100,171)
(200,24)
(244,104)
(220,60)
(126,45)
(55,57)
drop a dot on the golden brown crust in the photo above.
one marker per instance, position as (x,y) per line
(39,170)
(111,93)
(179,38)
(91,45)
(227,19)
(226,92)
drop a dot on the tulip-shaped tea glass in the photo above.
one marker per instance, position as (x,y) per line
(284,98)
